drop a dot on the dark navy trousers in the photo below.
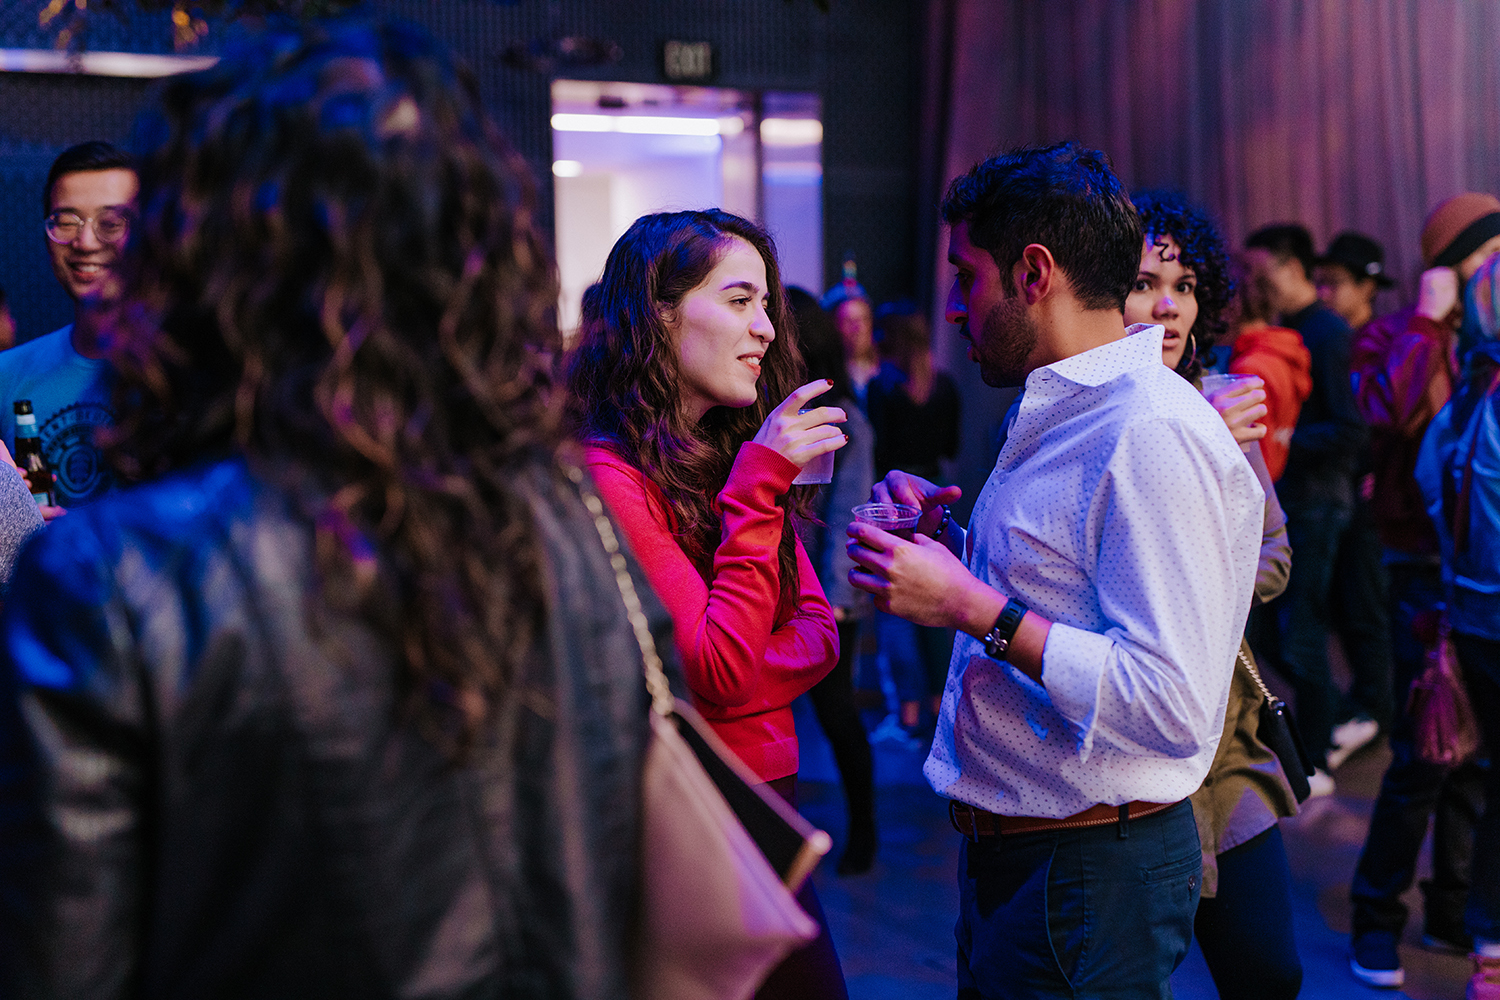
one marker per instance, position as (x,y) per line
(1088,912)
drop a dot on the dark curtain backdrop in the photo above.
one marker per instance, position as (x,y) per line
(1339,114)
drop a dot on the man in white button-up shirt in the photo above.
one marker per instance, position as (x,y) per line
(1099,596)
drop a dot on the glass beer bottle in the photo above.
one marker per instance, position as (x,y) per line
(29,458)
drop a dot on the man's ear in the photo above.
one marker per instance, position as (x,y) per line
(1036,273)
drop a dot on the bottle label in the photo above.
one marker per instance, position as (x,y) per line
(42,499)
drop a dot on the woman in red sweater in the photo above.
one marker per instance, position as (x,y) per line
(686,377)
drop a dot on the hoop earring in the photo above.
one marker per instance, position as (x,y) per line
(1192,355)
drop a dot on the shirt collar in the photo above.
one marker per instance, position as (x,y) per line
(1141,346)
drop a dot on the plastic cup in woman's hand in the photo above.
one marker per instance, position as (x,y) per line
(1216,385)
(818,471)
(1241,401)
(897,518)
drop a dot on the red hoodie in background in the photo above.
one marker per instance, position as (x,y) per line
(1279,357)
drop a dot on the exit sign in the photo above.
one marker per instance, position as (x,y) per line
(687,61)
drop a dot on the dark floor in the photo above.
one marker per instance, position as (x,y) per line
(894,926)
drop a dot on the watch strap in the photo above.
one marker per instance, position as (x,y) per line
(997,640)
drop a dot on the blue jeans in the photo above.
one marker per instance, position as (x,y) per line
(1100,911)
(1299,636)
(1481,664)
(1414,791)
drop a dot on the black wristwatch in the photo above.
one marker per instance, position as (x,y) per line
(997,639)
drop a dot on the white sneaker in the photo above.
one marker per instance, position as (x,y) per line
(1349,737)
(1321,783)
(891,731)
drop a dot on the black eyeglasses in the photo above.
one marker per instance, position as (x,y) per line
(110,225)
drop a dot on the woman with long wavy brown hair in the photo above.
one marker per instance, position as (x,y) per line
(342,701)
(687,382)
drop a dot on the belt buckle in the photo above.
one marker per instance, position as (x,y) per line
(956,807)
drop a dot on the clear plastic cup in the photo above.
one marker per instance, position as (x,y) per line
(817,472)
(897,518)
(1215,384)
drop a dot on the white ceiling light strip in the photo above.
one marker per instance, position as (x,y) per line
(121,64)
(791,131)
(647,124)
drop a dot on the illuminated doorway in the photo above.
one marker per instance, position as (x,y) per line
(621,150)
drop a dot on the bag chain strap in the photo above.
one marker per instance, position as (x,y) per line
(662,699)
(1255,676)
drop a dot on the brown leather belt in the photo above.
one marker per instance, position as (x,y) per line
(975,823)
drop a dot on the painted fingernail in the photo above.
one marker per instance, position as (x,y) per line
(829,381)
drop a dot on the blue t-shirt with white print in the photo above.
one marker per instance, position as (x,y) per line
(70,395)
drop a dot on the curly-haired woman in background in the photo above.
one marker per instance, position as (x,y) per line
(345,702)
(686,379)
(1244,921)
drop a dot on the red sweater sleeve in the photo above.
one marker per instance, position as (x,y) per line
(736,659)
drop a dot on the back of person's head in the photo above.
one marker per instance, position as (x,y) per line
(1169,213)
(1252,301)
(86,157)
(822,347)
(1063,197)
(904,332)
(1286,241)
(1479,349)
(1481,325)
(339,276)
(588,303)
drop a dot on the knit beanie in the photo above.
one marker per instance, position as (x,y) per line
(1458,227)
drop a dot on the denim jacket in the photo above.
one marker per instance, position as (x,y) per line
(1471,419)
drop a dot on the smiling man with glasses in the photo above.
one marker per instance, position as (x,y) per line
(88,202)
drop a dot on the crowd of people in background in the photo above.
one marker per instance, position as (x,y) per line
(307,402)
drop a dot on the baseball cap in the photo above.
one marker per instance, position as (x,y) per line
(1359,255)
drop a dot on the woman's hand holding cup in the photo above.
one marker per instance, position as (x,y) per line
(799,433)
(1241,402)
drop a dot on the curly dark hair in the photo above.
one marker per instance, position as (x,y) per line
(1063,196)
(624,376)
(1169,213)
(337,274)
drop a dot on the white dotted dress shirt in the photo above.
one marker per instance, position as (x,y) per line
(1122,510)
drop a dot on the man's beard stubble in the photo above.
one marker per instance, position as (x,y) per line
(1004,342)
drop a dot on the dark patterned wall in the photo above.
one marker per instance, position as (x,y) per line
(861,58)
